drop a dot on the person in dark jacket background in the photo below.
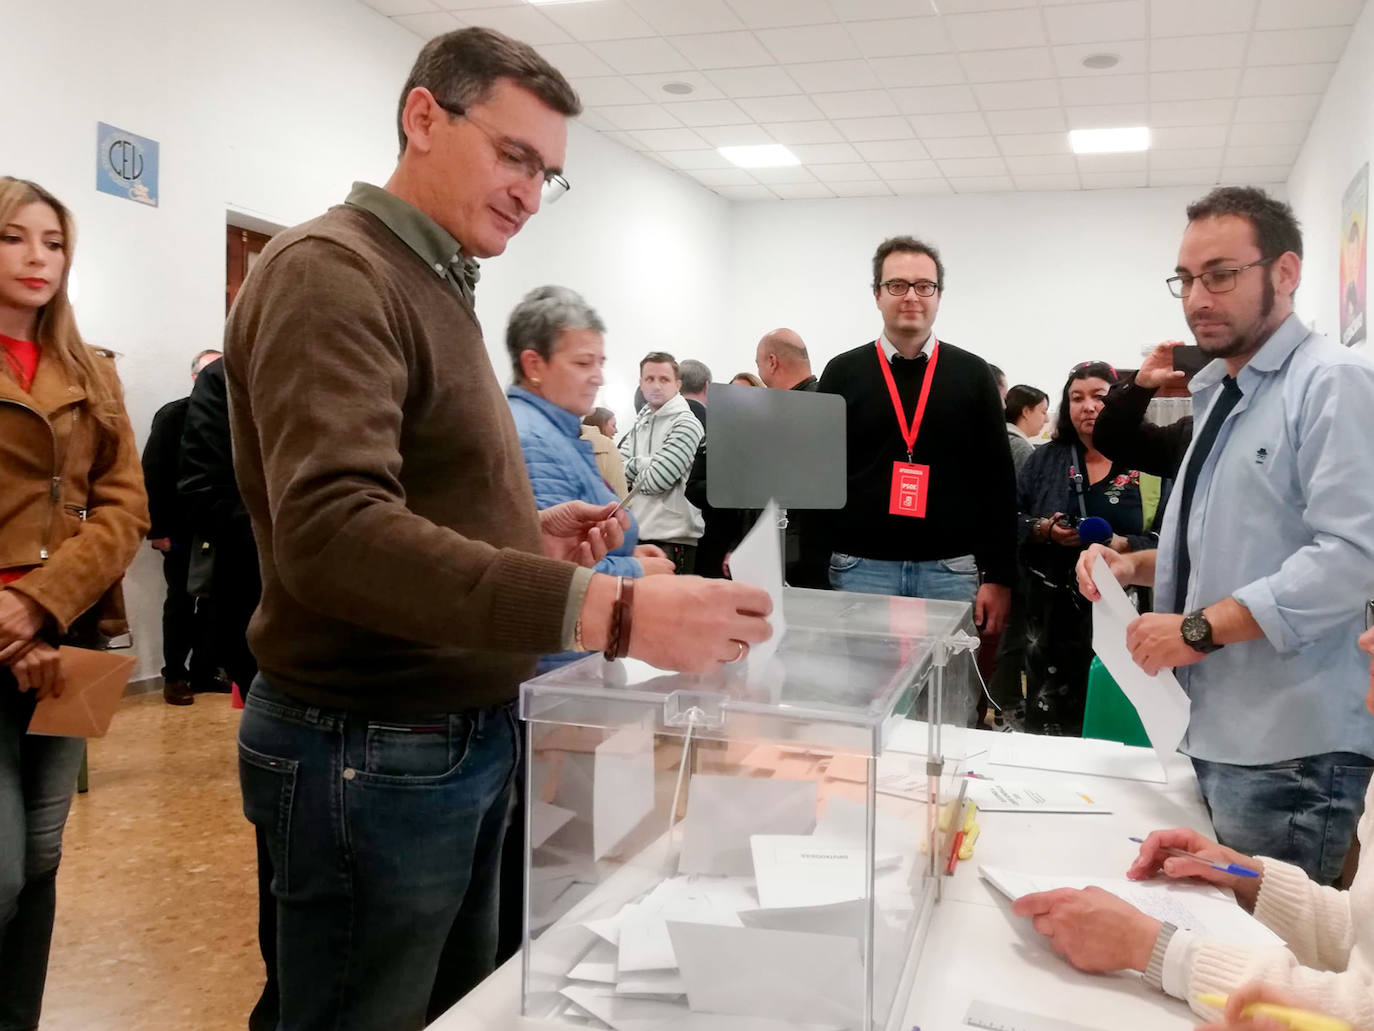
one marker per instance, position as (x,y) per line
(1069,477)
(1122,433)
(222,529)
(185,628)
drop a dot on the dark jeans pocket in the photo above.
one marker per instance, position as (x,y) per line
(268,784)
(418,754)
(417,748)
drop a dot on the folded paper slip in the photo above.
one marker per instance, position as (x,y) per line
(93,682)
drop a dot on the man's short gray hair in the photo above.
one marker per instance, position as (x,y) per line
(539,318)
(695,376)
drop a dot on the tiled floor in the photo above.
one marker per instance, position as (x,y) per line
(157,908)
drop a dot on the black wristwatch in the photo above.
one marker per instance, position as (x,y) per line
(1197,633)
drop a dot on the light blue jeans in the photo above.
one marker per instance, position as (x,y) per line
(945,579)
(1302,811)
(37,778)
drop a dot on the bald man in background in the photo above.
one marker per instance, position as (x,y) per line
(783,362)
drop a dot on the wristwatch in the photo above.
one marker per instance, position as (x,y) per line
(1197,633)
(1154,969)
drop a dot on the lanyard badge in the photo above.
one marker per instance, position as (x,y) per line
(910,481)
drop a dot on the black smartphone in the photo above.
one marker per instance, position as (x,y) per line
(1190,358)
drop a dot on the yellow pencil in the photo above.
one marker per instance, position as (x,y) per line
(1298,1020)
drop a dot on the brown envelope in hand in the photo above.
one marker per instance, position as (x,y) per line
(93,683)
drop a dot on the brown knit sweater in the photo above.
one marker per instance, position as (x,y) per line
(395,524)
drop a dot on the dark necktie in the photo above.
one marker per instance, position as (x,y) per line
(1202,446)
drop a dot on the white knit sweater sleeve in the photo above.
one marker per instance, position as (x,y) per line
(1326,964)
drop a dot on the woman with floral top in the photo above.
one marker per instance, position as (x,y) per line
(1064,482)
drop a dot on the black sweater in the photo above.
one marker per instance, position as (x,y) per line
(971,506)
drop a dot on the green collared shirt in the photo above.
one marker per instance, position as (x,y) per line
(437,248)
(434,245)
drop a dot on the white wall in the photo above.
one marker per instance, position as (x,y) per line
(647,247)
(1340,141)
(1035,282)
(269,106)
(273,107)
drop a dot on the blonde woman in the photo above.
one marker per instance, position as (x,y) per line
(72,514)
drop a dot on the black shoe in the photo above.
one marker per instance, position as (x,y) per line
(217,684)
(177,692)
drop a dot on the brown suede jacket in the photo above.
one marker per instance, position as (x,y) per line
(73,510)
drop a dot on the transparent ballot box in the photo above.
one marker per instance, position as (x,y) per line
(752,849)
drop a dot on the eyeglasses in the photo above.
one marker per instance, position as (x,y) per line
(1217,280)
(899,287)
(517,156)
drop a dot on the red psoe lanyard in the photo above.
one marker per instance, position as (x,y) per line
(909,433)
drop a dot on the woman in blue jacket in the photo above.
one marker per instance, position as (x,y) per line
(557,351)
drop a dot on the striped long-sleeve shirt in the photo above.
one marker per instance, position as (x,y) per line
(658,453)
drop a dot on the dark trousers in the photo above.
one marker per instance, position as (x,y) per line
(684,556)
(235,589)
(1059,652)
(186,630)
(1005,686)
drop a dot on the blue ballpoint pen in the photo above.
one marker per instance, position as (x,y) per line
(1231,868)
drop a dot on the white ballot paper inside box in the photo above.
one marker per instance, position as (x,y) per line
(1159,700)
(779,975)
(723,812)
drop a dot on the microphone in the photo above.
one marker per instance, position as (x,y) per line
(1094,530)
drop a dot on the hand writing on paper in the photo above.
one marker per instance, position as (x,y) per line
(1247,995)
(39,669)
(576,531)
(1153,860)
(1092,929)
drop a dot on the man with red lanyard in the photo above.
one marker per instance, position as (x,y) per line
(931,509)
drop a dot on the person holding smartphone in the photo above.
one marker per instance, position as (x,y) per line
(1123,435)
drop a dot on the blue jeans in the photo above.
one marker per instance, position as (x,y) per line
(385,837)
(945,579)
(1303,811)
(37,779)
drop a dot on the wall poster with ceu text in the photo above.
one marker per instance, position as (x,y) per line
(1354,234)
(126,164)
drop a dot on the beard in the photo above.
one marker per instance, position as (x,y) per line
(1249,340)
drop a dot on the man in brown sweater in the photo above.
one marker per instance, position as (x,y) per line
(408,581)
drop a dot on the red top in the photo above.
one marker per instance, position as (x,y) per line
(22,356)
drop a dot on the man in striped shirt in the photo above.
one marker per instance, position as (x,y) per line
(658,453)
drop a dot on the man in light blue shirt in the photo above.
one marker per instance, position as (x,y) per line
(1267,552)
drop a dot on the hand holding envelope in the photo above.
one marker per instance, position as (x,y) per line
(93,682)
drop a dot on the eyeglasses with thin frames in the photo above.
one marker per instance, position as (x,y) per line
(899,287)
(517,156)
(1216,281)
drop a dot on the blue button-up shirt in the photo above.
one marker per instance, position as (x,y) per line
(1283,521)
